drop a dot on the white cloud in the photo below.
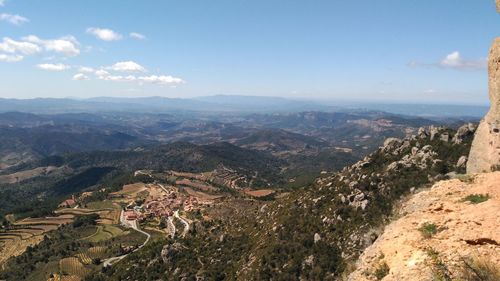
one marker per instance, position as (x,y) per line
(53,67)
(161,80)
(10,58)
(137,36)
(13,19)
(127,66)
(101,73)
(118,78)
(108,74)
(454,61)
(12,46)
(2,2)
(429,91)
(104,34)
(80,77)
(66,45)
(86,69)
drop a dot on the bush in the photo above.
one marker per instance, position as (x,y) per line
(474,269)
(428,230)
(86,220)
(477,198)
(381,271)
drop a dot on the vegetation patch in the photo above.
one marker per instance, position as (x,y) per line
(476,198)
(428,230)
(440,271)
(479,269)
(381,271)
(466,178)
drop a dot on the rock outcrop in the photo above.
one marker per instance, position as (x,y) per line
(463,229)
(485,152)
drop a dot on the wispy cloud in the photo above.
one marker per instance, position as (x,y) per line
(104,34)
(455,61)
(13,19)
(86,69)
(2,3)
(10,58)
(80,77)
(53,67)
(137,36)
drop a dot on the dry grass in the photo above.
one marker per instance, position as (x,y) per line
(479,269)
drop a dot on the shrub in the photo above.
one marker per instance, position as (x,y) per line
(477,198)
(474,269)
(428,230)
(440,271)
(381,271)
(85,220)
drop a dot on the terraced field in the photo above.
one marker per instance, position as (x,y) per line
(59,220)
(259,192)
(105,232)
(131,190)
(58,277)
(201,195)
(31,227)
(73,266)
(91,254)
(109,215)
(28,232)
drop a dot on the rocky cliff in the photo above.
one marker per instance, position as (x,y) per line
(485,151)
(447,232)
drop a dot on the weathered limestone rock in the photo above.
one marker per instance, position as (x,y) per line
(485,152)
(461,161)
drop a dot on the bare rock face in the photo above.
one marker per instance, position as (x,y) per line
(464,230)
(485,152)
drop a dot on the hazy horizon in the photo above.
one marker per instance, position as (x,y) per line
(386,52)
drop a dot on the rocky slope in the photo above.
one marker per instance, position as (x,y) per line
(465,229)
(312,234)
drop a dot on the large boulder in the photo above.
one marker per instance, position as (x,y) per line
(485,152)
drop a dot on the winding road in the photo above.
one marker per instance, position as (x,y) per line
(129,224)
(186,224)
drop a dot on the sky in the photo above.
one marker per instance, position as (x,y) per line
(423,51)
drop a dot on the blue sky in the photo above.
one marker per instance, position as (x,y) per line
(371,50)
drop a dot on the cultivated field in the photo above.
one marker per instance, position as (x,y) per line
(73,266)
(201,195)
(92,253)
(194,184)
(105,232)
(259,192)
(131,190)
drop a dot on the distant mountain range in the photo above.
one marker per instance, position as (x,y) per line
(227,104)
